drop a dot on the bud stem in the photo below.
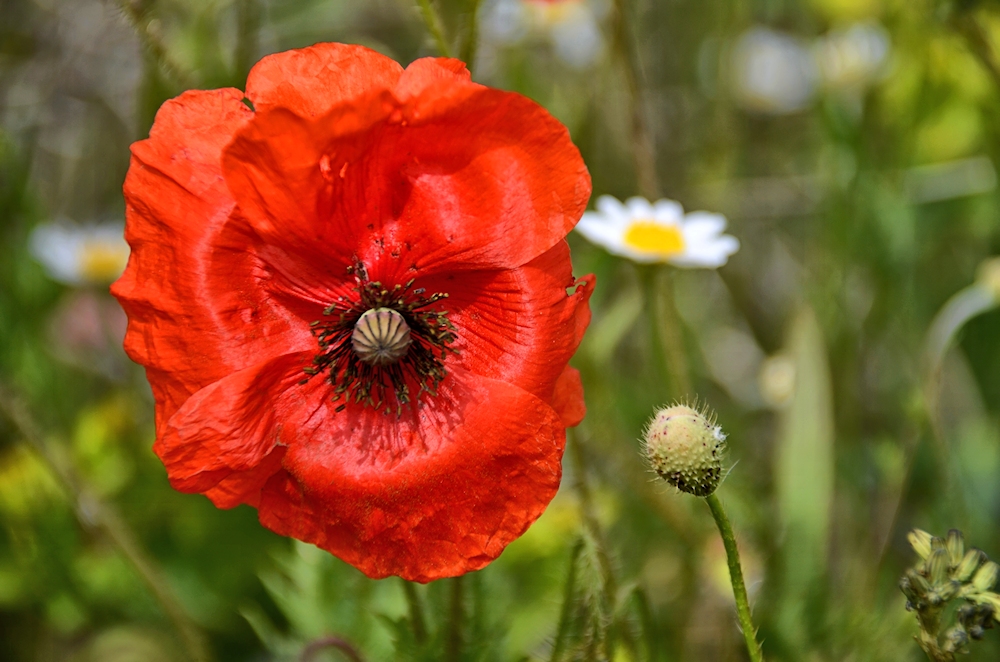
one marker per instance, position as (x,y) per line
(736,578)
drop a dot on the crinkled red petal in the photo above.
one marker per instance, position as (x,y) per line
(228,427)
(439,491)
(436,175)
(310,81)
(517,325)
(195,289)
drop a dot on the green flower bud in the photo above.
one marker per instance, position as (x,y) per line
(986,576)
(956,639)
(937,567)
(991,600)
(920,541)
(955,544)
(970,563)
(949,590)
(918,584)
(685,447)
(907,588)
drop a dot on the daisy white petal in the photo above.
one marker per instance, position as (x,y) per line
(640,208)
(659,232)
(599,229)
(704,224)
(668,211)
(612,209)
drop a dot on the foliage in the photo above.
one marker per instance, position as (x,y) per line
(858,402)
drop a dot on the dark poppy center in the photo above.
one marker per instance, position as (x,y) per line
(378,343)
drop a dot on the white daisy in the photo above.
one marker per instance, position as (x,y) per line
(658,232)
(80,254)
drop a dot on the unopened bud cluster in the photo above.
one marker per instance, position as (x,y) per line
(685,447)
(947,571)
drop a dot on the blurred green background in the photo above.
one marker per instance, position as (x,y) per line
(850,143)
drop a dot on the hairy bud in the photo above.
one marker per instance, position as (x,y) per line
(685,447)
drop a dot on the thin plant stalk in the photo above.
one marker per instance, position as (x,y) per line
(665,328)
(569,597)
(978,40)
(471,43)
(456,620)
(589,514)
(646,622)
(643,147)
(736,578)
(435,26)
(248,19)
(596,535)
(95,514)
(416,606)
(152,41)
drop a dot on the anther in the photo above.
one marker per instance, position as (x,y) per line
(381,336)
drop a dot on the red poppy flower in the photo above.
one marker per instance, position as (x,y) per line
(352,294)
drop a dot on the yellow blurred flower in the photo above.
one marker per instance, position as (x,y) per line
(80,254)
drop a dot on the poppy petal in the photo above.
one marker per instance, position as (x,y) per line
(427,70)
(439,491)
(310,81)
(567,399)
(518,325)
(445,493)
(388,178)
(223,428)
(193,286)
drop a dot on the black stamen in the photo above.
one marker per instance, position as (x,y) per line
(367,382)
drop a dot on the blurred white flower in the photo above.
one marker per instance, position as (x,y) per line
(571,26)
(80,254)
(773,72)
(659,232)
(854,56)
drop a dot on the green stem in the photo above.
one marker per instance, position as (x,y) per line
(593,527)
(643,147)
(589,513)
(471,43)
(646,623)
(433,22)
(456,620)
(665,328)
(153,42)
(978,40)
(248,18)
(417,620)
(736,578)
(95,514)
(569,598)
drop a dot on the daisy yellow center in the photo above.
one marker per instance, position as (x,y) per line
(650,237)
(101,262)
